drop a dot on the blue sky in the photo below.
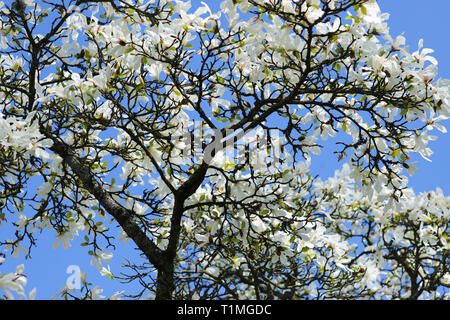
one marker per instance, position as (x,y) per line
(416,18)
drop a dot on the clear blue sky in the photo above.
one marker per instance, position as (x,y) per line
(416,18)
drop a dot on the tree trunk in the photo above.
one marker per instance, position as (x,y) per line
(165,279)
(165,285)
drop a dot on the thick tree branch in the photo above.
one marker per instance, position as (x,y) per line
(122,215)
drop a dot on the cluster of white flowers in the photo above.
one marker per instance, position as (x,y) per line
(15,282)
(23,136)
(417,229)
(384,97)
(347,232)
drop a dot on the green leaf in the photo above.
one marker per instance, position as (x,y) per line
(403,157)
(395,153)
(229,166)
(364,10)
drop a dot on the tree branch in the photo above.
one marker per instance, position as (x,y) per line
(122,215)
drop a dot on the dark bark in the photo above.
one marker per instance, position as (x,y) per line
(166,272)
(162,260)
(165,282)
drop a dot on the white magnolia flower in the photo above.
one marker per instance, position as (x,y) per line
(14,282)
(100,257)
(95,293)
(116,294)
(65,238)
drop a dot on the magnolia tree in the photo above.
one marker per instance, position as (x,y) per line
(192,132)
